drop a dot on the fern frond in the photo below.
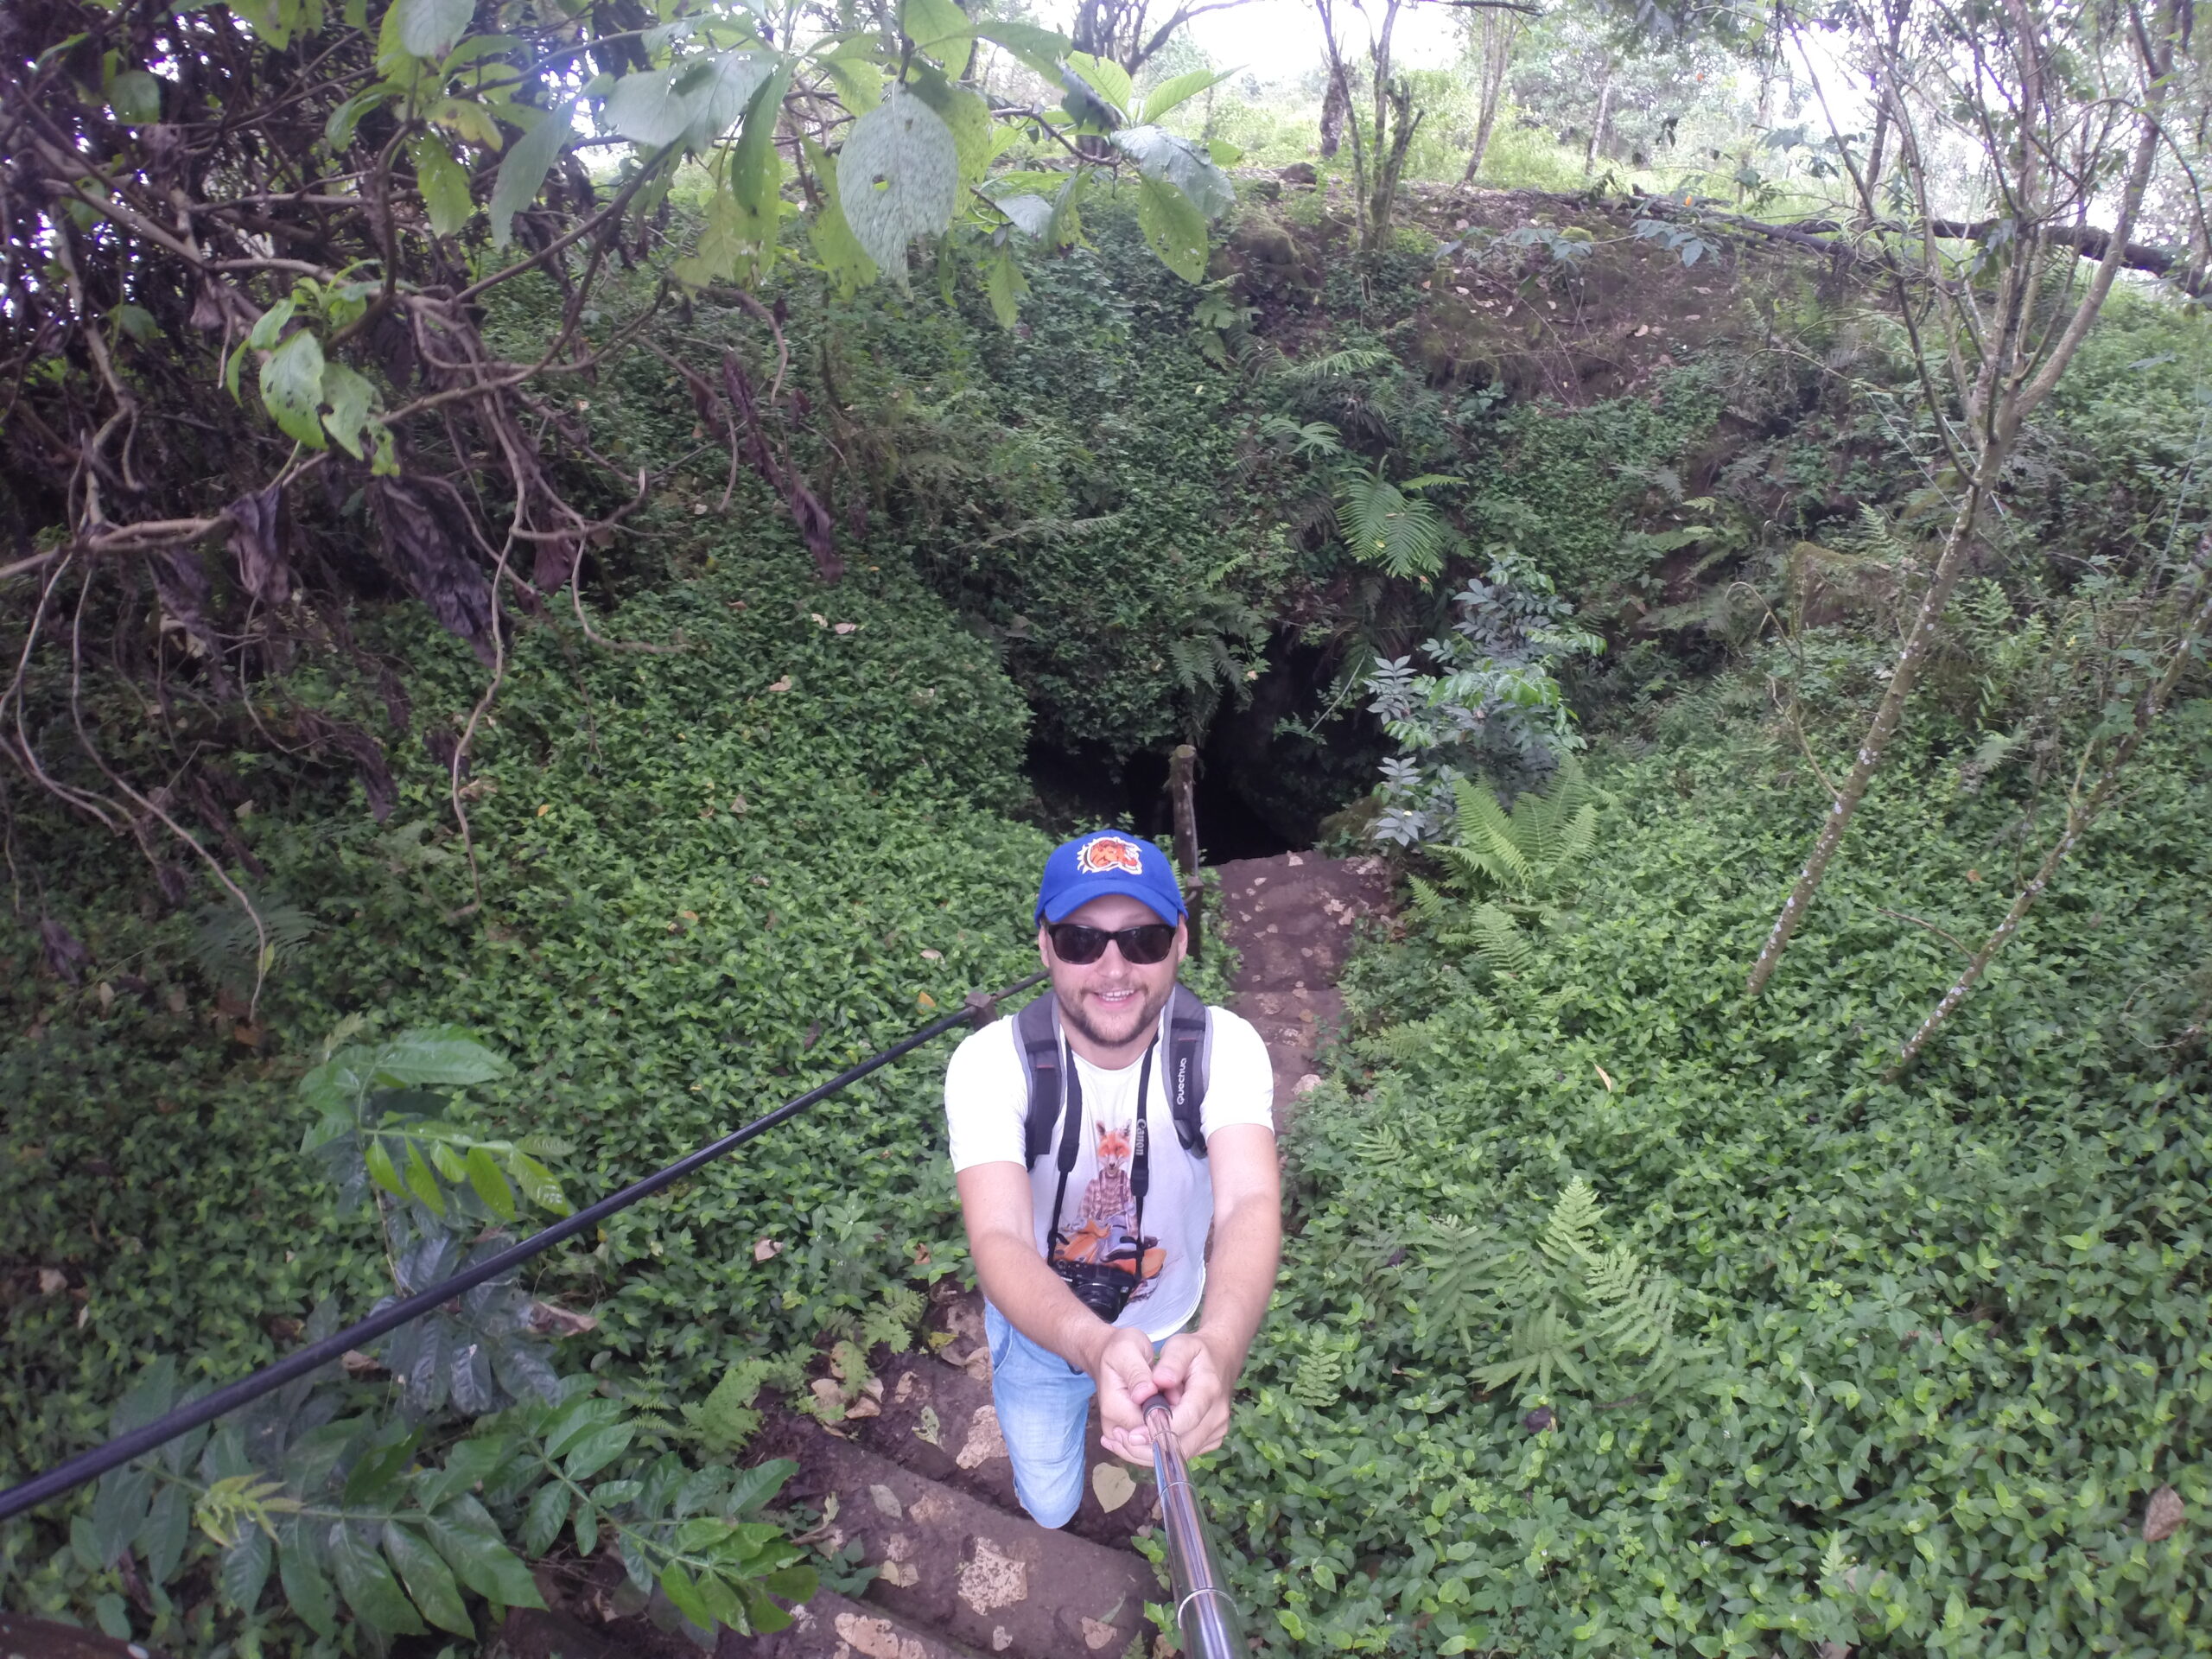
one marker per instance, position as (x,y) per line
(1486,836)
(224,943)
(1461,1266)
(1541,820)
(1335,365)
(1318,1380)
(1612,1278)
(1383,527)
(1640,1320)
(1543,1343)
(1399,1045)
(1570,1236)
(1497,941)
(1382,1145)
(1430,905)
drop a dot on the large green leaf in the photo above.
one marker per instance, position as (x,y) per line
(756,173)
(537,1183)
(351,397)
(443,181)
(429,1582)
(725,90)
(1107,78)
(423,1181)
(246,1569)
(167,1530)
(469,1540)
(859,77)
(523,170)
(1179,89)
(938,27)
(696,100)
(1169,159)
(1040,49)
(1174,229)
(715,256)
(136,98)
(967,118)
(684,1595)
(430,29)
(338,127)
(598,1449)
(307,1589)
(758,1484)
(1005,284)
(368,1586)
(1066,228)
(1031,214)
(489,1184)
(547,1515)
(291,389)
(437,1057)
(898,178)
(120,1508)
(842,257)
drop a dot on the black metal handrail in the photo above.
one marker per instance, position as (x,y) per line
(981,1008)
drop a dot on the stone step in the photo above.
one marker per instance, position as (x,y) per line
(831,1626)
(951,1563)
(937,1419)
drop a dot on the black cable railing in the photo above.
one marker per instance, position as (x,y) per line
(981,1007)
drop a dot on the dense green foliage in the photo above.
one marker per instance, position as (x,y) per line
(1936,1344)
(710,877)
(1822,1359)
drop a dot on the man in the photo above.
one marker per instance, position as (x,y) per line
(1093,1255)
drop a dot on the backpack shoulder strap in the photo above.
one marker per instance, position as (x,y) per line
(1190,1062)
(1037,1039)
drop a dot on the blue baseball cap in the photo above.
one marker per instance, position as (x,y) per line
(1104,861)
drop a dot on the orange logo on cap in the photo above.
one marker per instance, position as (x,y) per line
(1110,852)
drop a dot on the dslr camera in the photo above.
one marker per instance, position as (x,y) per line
(1104,1290)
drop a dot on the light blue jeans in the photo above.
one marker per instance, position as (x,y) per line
(1044,1405)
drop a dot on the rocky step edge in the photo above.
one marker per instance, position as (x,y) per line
(948,1563)
(831,1626)
(934,1416)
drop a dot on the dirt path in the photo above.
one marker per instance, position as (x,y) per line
(1291,919)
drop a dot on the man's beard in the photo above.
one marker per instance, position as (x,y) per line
(1074,1014)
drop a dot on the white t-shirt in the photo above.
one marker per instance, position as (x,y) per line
(987,1099)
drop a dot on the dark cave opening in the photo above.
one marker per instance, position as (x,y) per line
(1261,789)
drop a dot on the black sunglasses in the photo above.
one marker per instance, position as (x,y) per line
(1079,946)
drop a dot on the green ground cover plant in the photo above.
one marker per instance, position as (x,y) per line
(710,876)
(1617,1319)
(1907,1364)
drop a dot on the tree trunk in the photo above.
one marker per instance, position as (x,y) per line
(2081,813)
(1998,397)
(1498,32)
(1597,127)
(1948,568)
(1335,104)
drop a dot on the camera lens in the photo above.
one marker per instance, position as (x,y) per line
(1104,1291)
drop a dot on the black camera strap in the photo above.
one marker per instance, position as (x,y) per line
(1072,1140)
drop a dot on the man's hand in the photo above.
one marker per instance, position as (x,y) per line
(1121,1366)
(1192,1375)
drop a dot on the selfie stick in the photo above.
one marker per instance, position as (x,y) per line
(1206,1618)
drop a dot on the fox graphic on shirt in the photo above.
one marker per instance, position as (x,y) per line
(1104,1233)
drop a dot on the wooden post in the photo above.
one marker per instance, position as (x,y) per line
(1182,786)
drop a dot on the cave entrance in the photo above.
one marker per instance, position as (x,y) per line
(1262,790)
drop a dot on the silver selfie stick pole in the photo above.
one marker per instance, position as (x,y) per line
(1207,1619)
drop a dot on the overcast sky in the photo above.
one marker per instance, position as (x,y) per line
(1276,39)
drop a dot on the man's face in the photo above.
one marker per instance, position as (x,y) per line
(1112,1002)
